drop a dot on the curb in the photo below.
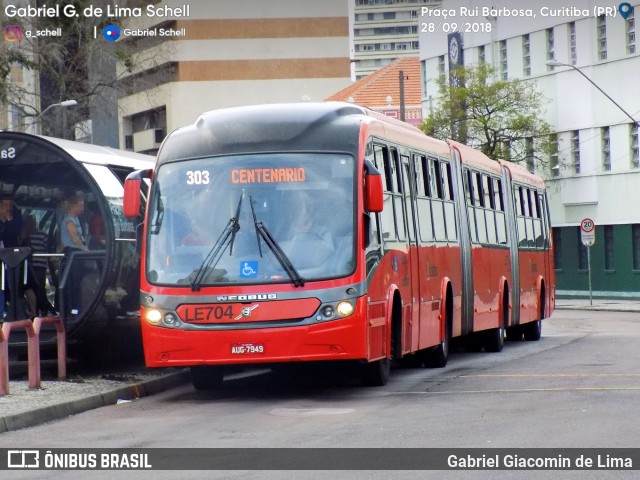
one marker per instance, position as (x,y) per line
(72,407)
(599,308)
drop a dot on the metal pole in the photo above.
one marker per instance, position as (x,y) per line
(402,109)
(589,272)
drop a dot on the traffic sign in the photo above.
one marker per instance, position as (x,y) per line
(587,232)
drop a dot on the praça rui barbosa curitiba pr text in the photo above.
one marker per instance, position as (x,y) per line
(480,19)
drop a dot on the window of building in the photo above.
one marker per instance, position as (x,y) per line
(601,35)
(554,164)
(557,247)
(572,43)
(575,151)
(550,47)
(526,55)
(630,24)
(504,73)
(482,54)
(530,155)
(633,142)
(606,149)
(441,69)
(609,263)
(635,243)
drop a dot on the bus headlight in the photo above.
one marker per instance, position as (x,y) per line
(153,316)
(345,308)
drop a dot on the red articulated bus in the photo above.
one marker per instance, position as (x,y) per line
(324,232)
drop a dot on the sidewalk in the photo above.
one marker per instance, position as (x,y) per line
(24,407)
(598,305)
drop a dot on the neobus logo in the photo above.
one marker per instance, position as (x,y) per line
(247,298)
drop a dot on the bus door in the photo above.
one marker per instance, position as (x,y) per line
(410,281)
(414,254)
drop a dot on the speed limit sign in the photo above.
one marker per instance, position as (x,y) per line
(587,232)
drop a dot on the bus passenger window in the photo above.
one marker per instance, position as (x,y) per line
(498,193)
(438,179)
(449,181)
(422,177)
(381,155)
(468,186)
(479,191)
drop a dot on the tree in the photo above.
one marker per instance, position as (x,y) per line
(502,118)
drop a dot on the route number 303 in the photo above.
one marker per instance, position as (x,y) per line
(197,177)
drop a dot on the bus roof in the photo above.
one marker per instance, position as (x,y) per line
(284,127)
(475,158)
(522,175)
(99,155)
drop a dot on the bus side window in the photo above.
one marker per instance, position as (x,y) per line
(384,165)
(448,205)
(501,224)
(398,200)
(490,212)
(423,203)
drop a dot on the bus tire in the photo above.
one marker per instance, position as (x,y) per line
(377,373)
(532,331)
(438,356)
(494,340)
(206,378)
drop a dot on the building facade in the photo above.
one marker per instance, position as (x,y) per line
(584,59)
(385,30)
(228,54)
(393,90)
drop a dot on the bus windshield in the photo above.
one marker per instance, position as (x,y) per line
(252,219)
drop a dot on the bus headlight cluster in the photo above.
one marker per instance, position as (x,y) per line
(332,311)
(156,317)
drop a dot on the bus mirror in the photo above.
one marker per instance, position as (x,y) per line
(131,206)
(373,193)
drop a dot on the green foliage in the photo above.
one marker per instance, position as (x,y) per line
(496,116)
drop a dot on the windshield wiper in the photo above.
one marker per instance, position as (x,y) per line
(263,232)
(227,238)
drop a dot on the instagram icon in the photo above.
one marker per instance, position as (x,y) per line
(13,33)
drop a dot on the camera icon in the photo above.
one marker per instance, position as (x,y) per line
(13,33)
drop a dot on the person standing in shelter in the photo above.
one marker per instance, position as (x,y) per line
(71,235)
(35,291)
(10,223)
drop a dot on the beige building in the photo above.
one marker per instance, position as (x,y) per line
(231,53)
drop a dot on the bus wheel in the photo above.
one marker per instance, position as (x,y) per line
(532,331)
(437,357)
(205,378)
(376,374)
(494,340)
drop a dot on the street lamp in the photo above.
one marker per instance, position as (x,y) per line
(64,104)
(555,63)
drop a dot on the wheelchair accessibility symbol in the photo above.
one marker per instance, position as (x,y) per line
(249,269)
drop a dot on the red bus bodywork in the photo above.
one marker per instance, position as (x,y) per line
(443,260)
